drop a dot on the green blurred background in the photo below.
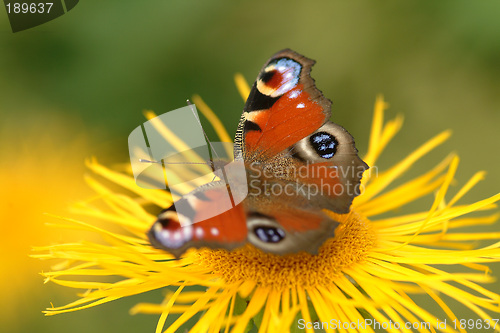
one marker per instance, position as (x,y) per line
(75,87)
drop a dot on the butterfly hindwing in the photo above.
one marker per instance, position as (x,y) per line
(276,227)
(333,168)
(286,225)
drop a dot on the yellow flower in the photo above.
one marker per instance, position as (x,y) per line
(363,277)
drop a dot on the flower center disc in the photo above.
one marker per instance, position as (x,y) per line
(353,240)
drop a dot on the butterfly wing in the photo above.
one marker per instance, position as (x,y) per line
(277,227)
(287,224)
(283,107)
(175,229)
(285,129)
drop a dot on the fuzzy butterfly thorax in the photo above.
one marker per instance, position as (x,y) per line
(297,163)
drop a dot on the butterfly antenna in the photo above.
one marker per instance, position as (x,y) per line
(224,176)
(148,161)
(191,105)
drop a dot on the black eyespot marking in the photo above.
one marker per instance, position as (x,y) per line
(267,76)
(269,234)
(324,143)
(251,126)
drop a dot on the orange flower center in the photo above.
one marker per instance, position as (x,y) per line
(354,238)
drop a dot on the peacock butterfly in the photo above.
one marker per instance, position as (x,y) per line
(297,164)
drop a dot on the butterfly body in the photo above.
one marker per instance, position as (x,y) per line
(296,161)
